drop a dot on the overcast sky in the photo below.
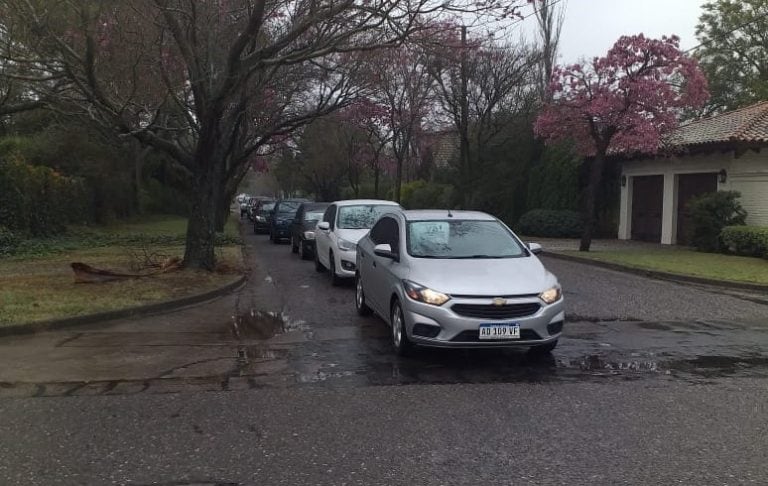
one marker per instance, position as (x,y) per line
(592,26)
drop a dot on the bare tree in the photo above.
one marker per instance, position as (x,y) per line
(229,76)
(477,82)
(550,17)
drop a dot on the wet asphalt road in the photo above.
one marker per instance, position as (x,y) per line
(653,383)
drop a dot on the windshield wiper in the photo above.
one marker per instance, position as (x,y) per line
(478,257)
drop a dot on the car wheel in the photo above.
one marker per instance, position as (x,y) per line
(360,305)
(274,238)
(400,340)
(318,266)
(544,348)
(294,246)
(303,254)
(335,279)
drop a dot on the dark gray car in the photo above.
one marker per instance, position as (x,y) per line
(303,228)
(460,279)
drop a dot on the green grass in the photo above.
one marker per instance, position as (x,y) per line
(687,262)
(37,284)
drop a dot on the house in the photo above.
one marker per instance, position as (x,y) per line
(724,152)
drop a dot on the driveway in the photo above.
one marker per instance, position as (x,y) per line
(282,383)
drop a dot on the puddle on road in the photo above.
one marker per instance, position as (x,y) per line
(264,325)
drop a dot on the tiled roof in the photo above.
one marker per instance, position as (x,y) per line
(749,124)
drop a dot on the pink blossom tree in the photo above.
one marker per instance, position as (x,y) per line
(624,102)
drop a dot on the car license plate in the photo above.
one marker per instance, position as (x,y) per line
(499,331)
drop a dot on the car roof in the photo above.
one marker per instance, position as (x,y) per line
(355,202)
(315,205)
(442,214)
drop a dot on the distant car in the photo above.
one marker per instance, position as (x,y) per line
(336,236)
(252,204)
(281,217)
(303,228)
(261,213)
(243,205)
(460,279)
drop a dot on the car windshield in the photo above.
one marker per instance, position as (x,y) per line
(361,216)
(314,215)
(461,239)
(288,207)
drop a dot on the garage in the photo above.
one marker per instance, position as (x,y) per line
(647,203)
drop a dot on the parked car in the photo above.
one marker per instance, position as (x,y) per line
(336,237)
(243,205)
(281,217)
(457,279)
(303,228)
(261,214)
(253,204)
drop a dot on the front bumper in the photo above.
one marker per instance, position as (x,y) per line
(457,331)
(345,266)
(280,232)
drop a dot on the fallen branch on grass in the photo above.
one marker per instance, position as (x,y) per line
(88,274)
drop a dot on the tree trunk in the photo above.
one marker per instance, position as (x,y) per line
(590,220)
(376,182)
(222,212)
(201,227)
(399,180)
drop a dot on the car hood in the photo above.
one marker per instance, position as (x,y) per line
(351,235)
(488,277)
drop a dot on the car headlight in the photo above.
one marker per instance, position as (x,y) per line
(550,296)
(345,245)
(422,294)
(260,219)
(309,235)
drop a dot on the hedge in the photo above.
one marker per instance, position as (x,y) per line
(37,200)
(551,223)
(710,213)
(746,240)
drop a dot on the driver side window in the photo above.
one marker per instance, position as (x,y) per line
(386,231)
(330,216)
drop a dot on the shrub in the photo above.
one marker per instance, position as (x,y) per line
(9,241)
(710,213)
(746,240)
(551,223)
(426,195)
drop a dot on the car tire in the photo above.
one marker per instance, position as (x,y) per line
(360,305)
(400,341)
(273,237)
(303,253)
(544,348)
(318,266)
(335,279)
(294,246)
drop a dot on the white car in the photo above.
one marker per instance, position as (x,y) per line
(337,234)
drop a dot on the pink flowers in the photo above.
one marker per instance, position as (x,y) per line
(625,101)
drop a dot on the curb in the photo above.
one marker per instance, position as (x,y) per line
(137,311)
(671,277)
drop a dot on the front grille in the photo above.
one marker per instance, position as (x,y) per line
(488,311)
(473,336)
(426,330)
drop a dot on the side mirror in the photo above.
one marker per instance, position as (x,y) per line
(535,248)
(324,225)
(385,251)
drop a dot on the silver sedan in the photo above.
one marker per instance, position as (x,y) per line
(456,279)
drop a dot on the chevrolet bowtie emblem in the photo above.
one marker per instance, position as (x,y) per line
(499,301)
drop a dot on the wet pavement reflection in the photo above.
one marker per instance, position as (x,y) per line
(359,354)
